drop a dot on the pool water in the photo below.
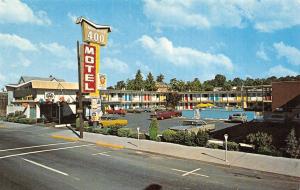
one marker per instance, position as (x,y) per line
(217,113)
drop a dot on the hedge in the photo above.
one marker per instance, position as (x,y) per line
(123,132)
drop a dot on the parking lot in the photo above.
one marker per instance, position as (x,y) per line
(142,120)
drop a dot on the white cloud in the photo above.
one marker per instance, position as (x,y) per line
(265,16)
(291,53)
(261,53)
(173,13)
(24,61)
(56,49)
(12,40)
(114,64)
(15,11)
(163,48)
(72,17)
(280,71)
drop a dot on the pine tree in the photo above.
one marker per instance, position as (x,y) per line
(138,81)
(150,83)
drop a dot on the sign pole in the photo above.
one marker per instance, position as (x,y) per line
(80,109)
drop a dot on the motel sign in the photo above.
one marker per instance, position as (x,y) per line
(88,69)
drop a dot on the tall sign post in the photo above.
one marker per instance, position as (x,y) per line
(93,36)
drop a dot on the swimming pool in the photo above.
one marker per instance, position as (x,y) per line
(219,113)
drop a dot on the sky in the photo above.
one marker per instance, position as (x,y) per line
(181,39)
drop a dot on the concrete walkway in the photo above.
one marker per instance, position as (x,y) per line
(278,165)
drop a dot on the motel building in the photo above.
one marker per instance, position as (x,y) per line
(250,98)
(130,99)
(48,97)
(40,97)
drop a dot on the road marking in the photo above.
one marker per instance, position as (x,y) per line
(101,153)
(40,151)
(191,172)
(46,167)
(187,173)
(20,148)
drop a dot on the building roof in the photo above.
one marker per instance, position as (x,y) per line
(51,85)
(54,85)
(24,79)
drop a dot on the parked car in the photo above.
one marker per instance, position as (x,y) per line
(110,122)
(160,108)
(166,114)
(238,117)
(194,125)
(119,112)
(137,110)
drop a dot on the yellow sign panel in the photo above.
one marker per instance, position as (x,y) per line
(102,82)
(94,35)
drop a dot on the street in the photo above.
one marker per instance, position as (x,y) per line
(30,159)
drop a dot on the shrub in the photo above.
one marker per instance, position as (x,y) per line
(153,130)
(292,145)
(201,138)
(213,146)
(189,139)
(179,137)
(232,146)
(113,130)
(259,139)
(270,150)
(123,132)
(133,135)
(168,135)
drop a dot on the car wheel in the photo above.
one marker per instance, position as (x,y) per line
(162,118)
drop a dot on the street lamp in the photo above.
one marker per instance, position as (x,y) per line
(226,137)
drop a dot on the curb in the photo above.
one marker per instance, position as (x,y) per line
(104,144)
(64,138)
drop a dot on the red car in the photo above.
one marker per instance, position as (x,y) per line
(120,112)
(166,114)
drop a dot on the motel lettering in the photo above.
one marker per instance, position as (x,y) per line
(88,66)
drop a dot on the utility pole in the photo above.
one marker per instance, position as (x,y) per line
(80,109)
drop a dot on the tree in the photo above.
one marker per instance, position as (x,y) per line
(293,147)
(207,86)
(160,78)
(138,81)
(172,99)
(153,130)
(177,85)
(130,84)
(120,85)
(150,83)
(249,82)
(237,82)
(219,80)
(227,86)
(195,85)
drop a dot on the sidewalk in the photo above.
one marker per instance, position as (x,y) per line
(278,165)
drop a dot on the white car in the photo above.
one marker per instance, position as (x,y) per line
(238,117)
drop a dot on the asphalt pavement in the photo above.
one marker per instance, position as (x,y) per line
(30,159)
(142,120)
